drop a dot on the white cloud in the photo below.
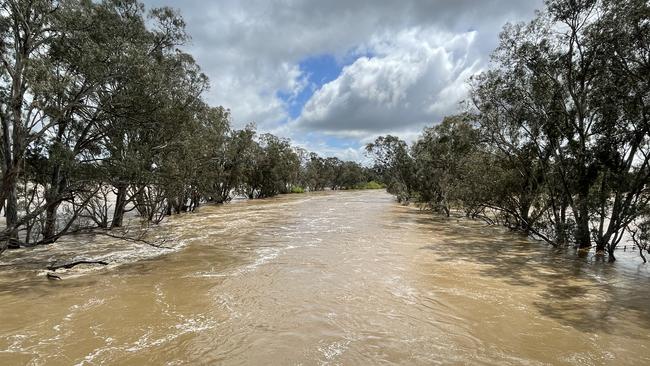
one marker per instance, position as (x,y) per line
(414,77)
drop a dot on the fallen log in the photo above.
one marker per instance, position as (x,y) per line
(73,264)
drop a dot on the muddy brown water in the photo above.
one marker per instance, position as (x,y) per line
(346,278)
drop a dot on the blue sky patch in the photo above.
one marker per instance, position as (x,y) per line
(319,71)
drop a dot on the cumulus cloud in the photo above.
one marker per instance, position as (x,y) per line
(414,77)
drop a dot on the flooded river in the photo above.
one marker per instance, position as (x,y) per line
(345,278)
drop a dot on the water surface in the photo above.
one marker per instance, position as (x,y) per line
(336,278)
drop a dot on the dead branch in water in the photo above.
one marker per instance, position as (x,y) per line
(74,264)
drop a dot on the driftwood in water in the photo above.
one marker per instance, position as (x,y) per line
(73,264)
(52,276)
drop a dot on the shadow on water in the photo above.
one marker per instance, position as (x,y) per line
(583,292)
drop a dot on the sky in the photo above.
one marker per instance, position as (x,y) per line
(332,75)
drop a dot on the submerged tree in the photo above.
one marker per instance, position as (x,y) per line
(441,156)
(396,166)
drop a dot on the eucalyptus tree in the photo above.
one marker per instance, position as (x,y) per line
(441,155)
(275,167)
(315,177)
(176,139)
(240,150)
(396,166)
(332,170)
(147,102)
(622,34)
(640,234)
(552,80)
(211,143)
(104,50)
(350,175)
(527,191)
(25,32)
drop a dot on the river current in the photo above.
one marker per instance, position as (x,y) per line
(332,278)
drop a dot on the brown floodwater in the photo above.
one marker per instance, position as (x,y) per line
(334,278)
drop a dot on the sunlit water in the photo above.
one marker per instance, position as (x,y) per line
(347,278)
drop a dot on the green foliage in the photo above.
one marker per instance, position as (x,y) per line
(395,165)
(370,185)
(297,189)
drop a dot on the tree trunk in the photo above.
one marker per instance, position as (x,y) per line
(120,205)
(9,177)
(11,207)
(601,246)
(49,231)
(524,215)
(582,234)
(610,252)
(51,200)
(13,146)
(562,224)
